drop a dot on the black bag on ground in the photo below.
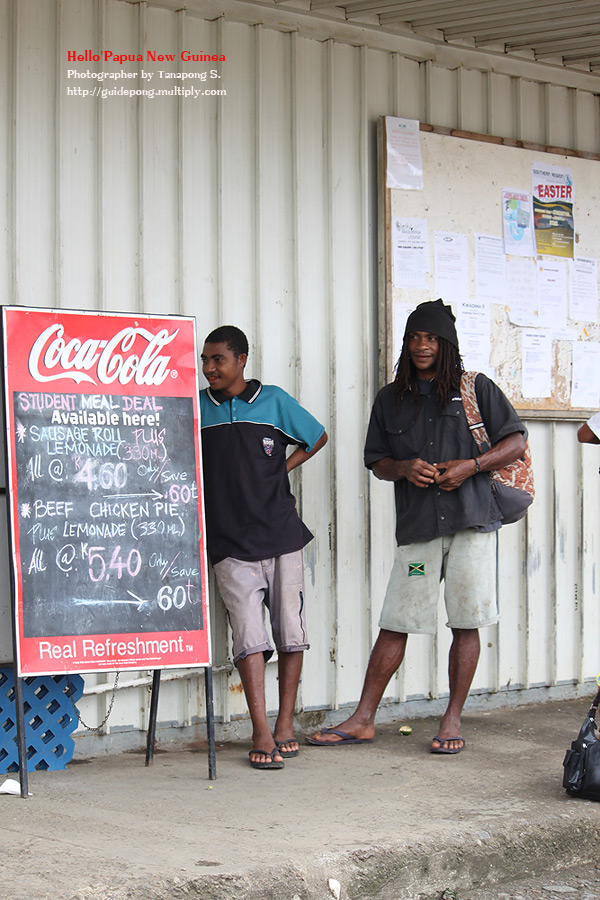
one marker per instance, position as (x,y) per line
(581,777)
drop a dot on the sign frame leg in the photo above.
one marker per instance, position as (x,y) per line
(210,723)
(151,736)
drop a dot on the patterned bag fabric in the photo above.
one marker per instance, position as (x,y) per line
(512,484)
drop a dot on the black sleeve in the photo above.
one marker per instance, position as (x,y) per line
(377,444)
(499,417)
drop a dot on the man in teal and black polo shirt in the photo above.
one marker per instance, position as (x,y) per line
(254,534)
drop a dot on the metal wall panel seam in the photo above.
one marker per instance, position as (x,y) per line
(99,173)
(553,556)
(461,98)
(329,48)
(489,102)
(525,599)
(366,294)
(580,558)
(518,107)
(181,279)
(258,336)
(219,180)
(573,106)
(57,298)
(12,150)
(546,111)
(222,692)
(427,82)
(394,81)
(141,156)
(295,131)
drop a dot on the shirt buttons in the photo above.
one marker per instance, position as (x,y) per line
(442,518)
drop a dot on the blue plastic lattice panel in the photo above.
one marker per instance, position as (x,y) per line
(50,720)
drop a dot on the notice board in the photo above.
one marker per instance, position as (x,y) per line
(463,176)
(105,491)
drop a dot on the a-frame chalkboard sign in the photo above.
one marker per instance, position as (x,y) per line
(105,494)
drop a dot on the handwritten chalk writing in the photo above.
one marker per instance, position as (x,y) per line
(140,404)
(146,529)
(167,597)
(51,351)
(34,467)
(44,508)
(94,529)
(106,476)
(37,563)
(99,401)
(30,401)
(102,571)
(40,532)
(180,493)
(65,558)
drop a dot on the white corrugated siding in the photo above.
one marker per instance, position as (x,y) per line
(260,208)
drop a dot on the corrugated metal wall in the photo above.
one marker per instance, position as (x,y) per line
(260,208)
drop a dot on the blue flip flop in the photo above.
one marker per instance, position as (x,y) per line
(448,752)
(345,739)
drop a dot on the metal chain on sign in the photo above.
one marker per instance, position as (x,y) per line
(110,705)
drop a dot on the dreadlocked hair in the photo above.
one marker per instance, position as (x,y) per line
(449,370)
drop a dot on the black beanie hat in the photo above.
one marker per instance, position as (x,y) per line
(435,317)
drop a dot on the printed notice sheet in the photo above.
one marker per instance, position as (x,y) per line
(404,161)
(521,290)
(490,265)
(473,326)
(585,386)
(451,265)
(583,288)
(536,357)
(410,242)
(552,293)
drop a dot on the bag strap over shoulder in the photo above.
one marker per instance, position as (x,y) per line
(472,411)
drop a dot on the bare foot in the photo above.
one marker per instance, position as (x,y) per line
(447,740)
(360,731)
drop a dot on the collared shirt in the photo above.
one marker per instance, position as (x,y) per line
(403,429)
(250,510)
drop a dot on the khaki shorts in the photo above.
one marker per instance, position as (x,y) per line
(248,587)
(467,563)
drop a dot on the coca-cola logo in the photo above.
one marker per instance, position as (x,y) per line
(108,359)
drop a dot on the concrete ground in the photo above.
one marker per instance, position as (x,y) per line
(387,821)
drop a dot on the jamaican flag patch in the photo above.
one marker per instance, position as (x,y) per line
(416,569)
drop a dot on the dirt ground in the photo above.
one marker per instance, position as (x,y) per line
(387,821)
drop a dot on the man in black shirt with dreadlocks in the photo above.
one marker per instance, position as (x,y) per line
(446,515)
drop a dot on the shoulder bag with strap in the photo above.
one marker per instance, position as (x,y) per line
(581,776)
(513,484)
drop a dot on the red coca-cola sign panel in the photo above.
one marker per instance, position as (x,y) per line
(105,491)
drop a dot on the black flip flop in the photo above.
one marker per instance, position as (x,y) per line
(270,764)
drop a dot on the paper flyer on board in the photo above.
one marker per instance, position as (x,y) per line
(410,246)
(517,220)
(404,159)
(553,218)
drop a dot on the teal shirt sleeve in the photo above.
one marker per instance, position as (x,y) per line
(296,422)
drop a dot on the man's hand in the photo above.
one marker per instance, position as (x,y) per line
(417,471)
(451,474)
